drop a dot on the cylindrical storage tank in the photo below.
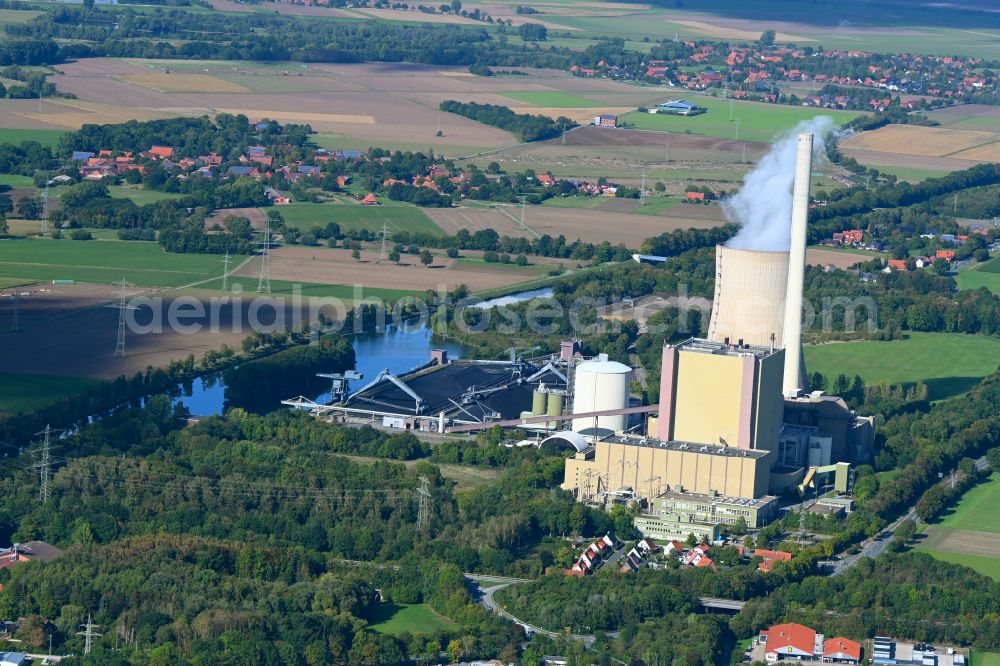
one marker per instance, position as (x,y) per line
(600,386)
(538,403)
(815,455)
(825,445)
(555,407)
(750,290)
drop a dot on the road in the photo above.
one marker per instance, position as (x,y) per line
(872,548)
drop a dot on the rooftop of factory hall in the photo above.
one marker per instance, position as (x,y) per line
(690,447)
(733,348)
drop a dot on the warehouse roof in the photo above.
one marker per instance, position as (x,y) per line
(481,388)
(710,449)
(721,348)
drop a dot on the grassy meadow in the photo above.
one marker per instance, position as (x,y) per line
(25,393)
(950,363)
(757,121)
(144,264)
(353,217)
(390,618)
(46,137)
(986,274)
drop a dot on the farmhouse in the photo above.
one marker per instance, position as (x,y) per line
(606,120)
(369,200)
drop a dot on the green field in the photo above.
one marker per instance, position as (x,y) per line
(17,15)
(392,618)
(141,195)
(24,393)
(911,174)
(757,121)
(985,659)
(352,217)
(144,264)
(12,180)
(43,136)
(554,99)
(986,274)
(977,510)
(949,363)
(988,566)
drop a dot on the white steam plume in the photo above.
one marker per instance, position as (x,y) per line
(763,207)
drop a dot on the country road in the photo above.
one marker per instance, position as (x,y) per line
(875,546)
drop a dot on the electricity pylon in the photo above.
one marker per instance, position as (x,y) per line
(44,464)
(88,634)
(424,504)
(264,282)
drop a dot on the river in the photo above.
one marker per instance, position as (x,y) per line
(397,348)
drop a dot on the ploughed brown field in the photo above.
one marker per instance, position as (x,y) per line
(983,544)
(821,257)
(337,267)
(69,330)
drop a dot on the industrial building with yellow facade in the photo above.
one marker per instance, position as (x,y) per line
(735,426)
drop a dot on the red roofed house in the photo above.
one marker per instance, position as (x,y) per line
(791,640)
(945,254)
(897,264)
(841,650)
(546,179)
(369,200)
(770,557)
(162,151)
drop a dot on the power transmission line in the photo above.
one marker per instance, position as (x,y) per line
(89,634)
(44,465)
(264,282)
(423,507)
(385,233)
(122,306)
(45,209)
(225,272)
(17,302)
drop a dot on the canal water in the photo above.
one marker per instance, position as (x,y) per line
(396,348)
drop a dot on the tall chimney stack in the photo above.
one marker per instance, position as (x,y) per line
(793,377)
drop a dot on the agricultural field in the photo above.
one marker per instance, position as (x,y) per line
(676,159)
(390,618)
(143,264)
(969,534)
(140,195)
(384,104)
(25,393)
(353,217)
(976,511)
(986,274)
(985,658)
(968,135)
(950,363)
(325,266)
(751,121)
(46,137)
(824,256)
(587,224)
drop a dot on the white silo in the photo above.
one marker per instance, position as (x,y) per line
(601,385)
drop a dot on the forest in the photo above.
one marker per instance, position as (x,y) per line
(525,126)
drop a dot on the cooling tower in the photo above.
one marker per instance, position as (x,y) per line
(749,303)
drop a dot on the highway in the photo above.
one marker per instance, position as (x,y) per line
(872,548)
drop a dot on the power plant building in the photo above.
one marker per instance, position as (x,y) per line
(722,394)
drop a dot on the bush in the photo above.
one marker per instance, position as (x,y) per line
(81,235)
